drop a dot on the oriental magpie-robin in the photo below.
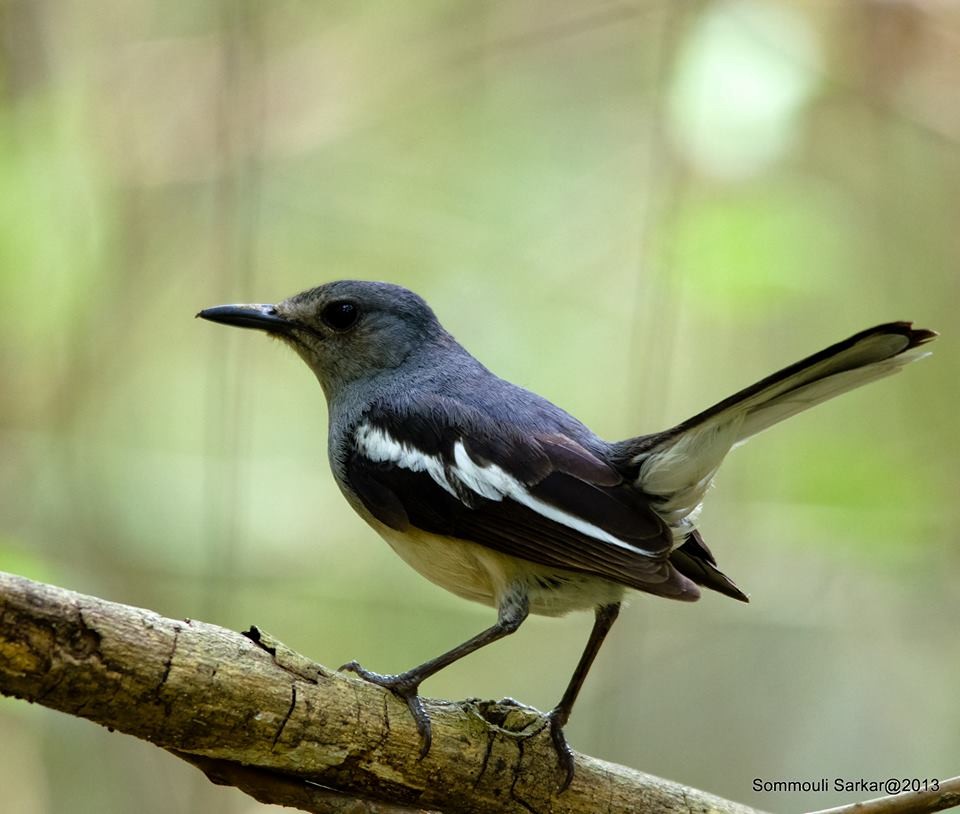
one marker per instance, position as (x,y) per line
(499,496)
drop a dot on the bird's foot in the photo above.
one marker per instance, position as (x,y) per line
(554,721)
(406,687)
(557,719)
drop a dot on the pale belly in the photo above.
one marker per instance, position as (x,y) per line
(478,573)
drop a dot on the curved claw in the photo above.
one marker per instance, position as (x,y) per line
(562,748)
(367,675)
(422,720)
(406,688)
(513,702)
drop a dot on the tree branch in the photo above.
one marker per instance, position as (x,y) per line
(947,795)
(250,713)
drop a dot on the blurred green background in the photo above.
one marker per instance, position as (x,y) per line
(634,208)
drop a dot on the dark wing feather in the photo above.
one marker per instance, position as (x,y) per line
(557,471)
(401,498)
(694,560)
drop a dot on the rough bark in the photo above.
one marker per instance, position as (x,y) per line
(251,713)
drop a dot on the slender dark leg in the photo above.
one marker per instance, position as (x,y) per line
(606,615)
(513,609)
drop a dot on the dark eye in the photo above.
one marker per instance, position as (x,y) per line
(340,315)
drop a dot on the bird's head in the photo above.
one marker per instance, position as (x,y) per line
(345,331)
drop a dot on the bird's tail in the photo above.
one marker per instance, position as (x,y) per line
(676,466)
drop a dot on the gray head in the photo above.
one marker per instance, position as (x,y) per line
(345,331)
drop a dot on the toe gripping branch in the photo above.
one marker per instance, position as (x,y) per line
(512,611)
(406,686)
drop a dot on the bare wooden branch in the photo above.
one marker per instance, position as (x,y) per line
(251,713)
(278,789)
(946,795)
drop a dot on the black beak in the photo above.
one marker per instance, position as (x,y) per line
(263,317)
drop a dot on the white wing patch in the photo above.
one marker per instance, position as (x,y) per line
(376,445)
(491,481)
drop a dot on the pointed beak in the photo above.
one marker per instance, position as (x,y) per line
(262,317)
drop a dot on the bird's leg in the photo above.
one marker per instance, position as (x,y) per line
(606,615)
(512,610)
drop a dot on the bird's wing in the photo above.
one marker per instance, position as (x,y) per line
(543,497)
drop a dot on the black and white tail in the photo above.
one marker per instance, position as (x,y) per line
(675,467)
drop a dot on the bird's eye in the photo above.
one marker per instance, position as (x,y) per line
(341,315)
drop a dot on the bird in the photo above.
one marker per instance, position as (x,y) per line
(499,496)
